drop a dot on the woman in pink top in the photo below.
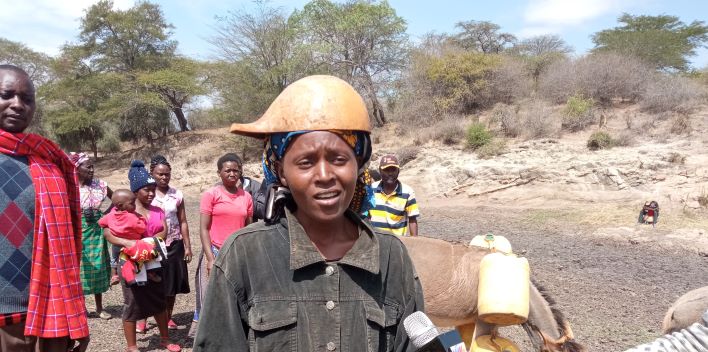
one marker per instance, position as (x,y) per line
(224,209)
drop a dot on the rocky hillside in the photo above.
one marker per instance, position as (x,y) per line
(547,179)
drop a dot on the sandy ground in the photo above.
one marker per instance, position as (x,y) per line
(613,292)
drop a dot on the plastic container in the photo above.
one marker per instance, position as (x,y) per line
(485,343)
(492,242)
(503,297)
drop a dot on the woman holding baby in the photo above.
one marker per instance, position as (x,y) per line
(140,302)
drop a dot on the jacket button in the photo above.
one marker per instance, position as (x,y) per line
(331,346)
(330,270)
(330,305)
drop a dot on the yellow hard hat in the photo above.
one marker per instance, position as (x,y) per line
(313,103)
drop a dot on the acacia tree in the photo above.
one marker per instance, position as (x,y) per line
(136,44)
(363,42)
(662,41)
(539,52)
(36,64)
(176,86)
(265,39)
(483,36)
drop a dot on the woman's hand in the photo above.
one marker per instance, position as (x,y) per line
(187,254)
(210,263)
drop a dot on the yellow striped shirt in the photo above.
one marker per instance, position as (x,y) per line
(393,210)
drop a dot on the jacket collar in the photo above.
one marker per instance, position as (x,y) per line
(364,254)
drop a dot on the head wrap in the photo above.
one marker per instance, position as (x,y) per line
(276,144)
(138,176)
(78,158)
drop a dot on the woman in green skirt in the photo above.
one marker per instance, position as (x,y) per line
(95,259)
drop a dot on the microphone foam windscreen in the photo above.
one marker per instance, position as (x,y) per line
(420,329)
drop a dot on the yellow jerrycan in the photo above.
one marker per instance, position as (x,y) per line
(485,343)
(503,296)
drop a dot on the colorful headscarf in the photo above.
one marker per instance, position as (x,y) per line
(78,158)
(360,142)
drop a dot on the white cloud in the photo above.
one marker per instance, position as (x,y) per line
(45,25)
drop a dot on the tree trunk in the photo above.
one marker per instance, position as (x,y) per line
(94,146)
(378,112)
(377,109)
(181,119)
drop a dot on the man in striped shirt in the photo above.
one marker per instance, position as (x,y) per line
(396,210)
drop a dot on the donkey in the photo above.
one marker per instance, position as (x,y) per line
(686,310)
(449,275)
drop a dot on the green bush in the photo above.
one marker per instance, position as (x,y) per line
(600,140)
(478,135)
(492,149)
(578,113)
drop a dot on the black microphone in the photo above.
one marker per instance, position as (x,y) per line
(425,337)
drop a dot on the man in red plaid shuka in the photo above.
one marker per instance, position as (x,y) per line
(41,300)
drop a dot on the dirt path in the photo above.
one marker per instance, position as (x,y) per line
(614,293)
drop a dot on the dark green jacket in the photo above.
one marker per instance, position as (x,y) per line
(271,290)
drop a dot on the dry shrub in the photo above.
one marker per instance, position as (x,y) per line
(450,130)
(558,82)
(681,124)
(505,118)
(675,158)
(600,140)
(601,76)
(578,113)
(703,199)
(495,147)
(672,94)
(538,119)
(625,139)
(407,154)
(509,82)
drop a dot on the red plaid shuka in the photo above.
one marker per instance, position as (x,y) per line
(56,302)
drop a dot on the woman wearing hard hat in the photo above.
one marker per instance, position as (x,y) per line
(314,276)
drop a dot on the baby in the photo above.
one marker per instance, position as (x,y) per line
(125,223)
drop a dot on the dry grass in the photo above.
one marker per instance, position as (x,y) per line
(611,215)
(539,120)
(672,94)
(495,147)
(703,199)
(602,77)
(407,154)
(449,131)
(681,125)
(675,158)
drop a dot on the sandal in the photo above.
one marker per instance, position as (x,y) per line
(132,349)
(105,315)
(172,325)
(140,327)
(114,280)
(172,347)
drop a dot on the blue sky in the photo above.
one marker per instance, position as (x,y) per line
(45,25)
